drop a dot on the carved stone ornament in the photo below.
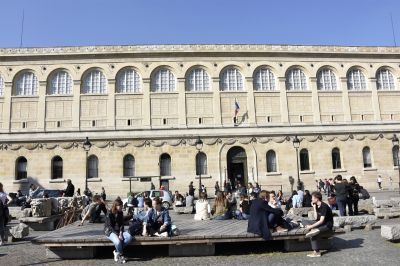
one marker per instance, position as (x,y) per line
(15,147)
(175,142)
(140,143)
(121,144)
(102,144)
(212,141)
(359,137)
(329,138)
(31,146)
(246,140)
(263,140)
(50,146)
(67,145)
(343,137)
(374,136)
(312,138)
(279,139)
(229,141)
(157,143)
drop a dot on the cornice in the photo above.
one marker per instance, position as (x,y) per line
(198,48)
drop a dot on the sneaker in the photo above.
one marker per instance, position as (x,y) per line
(116,256)
(165,234)
(314,255)
(122,259)
(280,229)
(312,233)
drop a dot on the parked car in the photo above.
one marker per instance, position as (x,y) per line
(164,195)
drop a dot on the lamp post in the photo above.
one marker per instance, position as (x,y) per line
(395,142)
(296,145)
(86,146)
(199,146)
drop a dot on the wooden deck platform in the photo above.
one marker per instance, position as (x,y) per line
(196,238)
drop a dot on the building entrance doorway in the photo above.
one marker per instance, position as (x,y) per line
(237,166)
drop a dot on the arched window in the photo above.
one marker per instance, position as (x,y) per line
(165,165)
(93,166)
(60,83)
(94,82)
(21,166)
(1,86)
(198,80)
(336,163)
(264,80)
(367,157)
(129,165)
(326,80)
(163,81)
(27,84)
(296,80)
(395,152)
(385,80)
(356,80)
(128,81)
(56,167)
(271,162)
(304,160)
(231,80)
(201,163)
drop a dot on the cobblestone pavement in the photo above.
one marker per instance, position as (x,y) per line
(358,247)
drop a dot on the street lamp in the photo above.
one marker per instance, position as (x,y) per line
(199,146)
(395,142)
(86,146)
(296,145)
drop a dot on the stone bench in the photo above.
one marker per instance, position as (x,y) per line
(354,221)
(41,223)
(303,212)
(184,209)
(391,232)
(387,213)
(385,203)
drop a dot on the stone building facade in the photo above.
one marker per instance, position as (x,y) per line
(144,107)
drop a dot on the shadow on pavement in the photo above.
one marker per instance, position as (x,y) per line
(340,244)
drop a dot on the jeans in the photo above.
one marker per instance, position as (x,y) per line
(274,220)
(241,215)
(120,245)
(355,206)
(324,232)
(342,206)
(350,206)
(2,229)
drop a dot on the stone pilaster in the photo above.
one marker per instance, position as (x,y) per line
(283,100)
(375,99)
(181,102)
(7,107)
(315,100)
(250,101)
(345,99)
(146,104)
(111,104)
(41,109)
(76,103)
(216,102)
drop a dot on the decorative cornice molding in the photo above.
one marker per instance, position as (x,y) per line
(198,48)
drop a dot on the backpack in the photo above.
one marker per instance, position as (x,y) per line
(135,227)
(364,194)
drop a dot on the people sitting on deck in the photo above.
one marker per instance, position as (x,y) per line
(203,208)
(307,199)
(132,203)
(259,212)
(232,205)
(274,202)
(280,198)
(323,225)
(241,189)
(157,221)
(189,200)
(93,210)
(114,230)
(243,213)
(220,208)
(140,201)
(179,201)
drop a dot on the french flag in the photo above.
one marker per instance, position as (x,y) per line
(237,107)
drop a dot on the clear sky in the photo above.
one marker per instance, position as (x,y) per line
(106,22)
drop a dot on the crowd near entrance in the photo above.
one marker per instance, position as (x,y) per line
(237,166)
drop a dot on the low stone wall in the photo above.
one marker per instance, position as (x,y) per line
(354,221)
(303,212)
(391,232)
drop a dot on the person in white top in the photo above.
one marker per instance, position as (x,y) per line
(203,208)
(5,199)
(379,181)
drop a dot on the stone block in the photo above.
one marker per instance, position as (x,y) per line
(17,213)
(303,212)
(368,227)
(396,200)
(295,245)
(386,210)
(186,250)
(385,203)
(391,232)
(70,252)
(355,221)
(41,207)
(347,228)
(20,231)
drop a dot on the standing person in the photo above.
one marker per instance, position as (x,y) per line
(216,187)
(114,231)
(5,199)
(342,192)
(203,189)
(328,186)
(317,186)
(354,194)
(249,188)
(226,188)
(259,211)
(379,181)
(152,186)
(191,189)
(297,202)
(391,183)
(322,186)
(70,190)
(103,194)
(78,192)
(202,208)
(300,192)
(322,226)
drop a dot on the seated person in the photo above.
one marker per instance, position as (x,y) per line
(189,200)
(157,221)
(297,201)
(220,208)
(93,210)
(244,208)
(307,199)
(275,221)
(140,199)
(332,201)
(202,208)
(323,225)
(179,201)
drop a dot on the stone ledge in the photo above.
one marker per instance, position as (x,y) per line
(356,221)
(94,180)
(57,181)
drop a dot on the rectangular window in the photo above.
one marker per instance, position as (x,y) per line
(93,123)
(128,122)
(164,121)
(301,118)
(23,124)
(200,121)
(269,119)
(58,123)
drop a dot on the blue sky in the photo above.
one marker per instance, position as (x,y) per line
(106,22)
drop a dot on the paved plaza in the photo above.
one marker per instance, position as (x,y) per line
(358,247)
